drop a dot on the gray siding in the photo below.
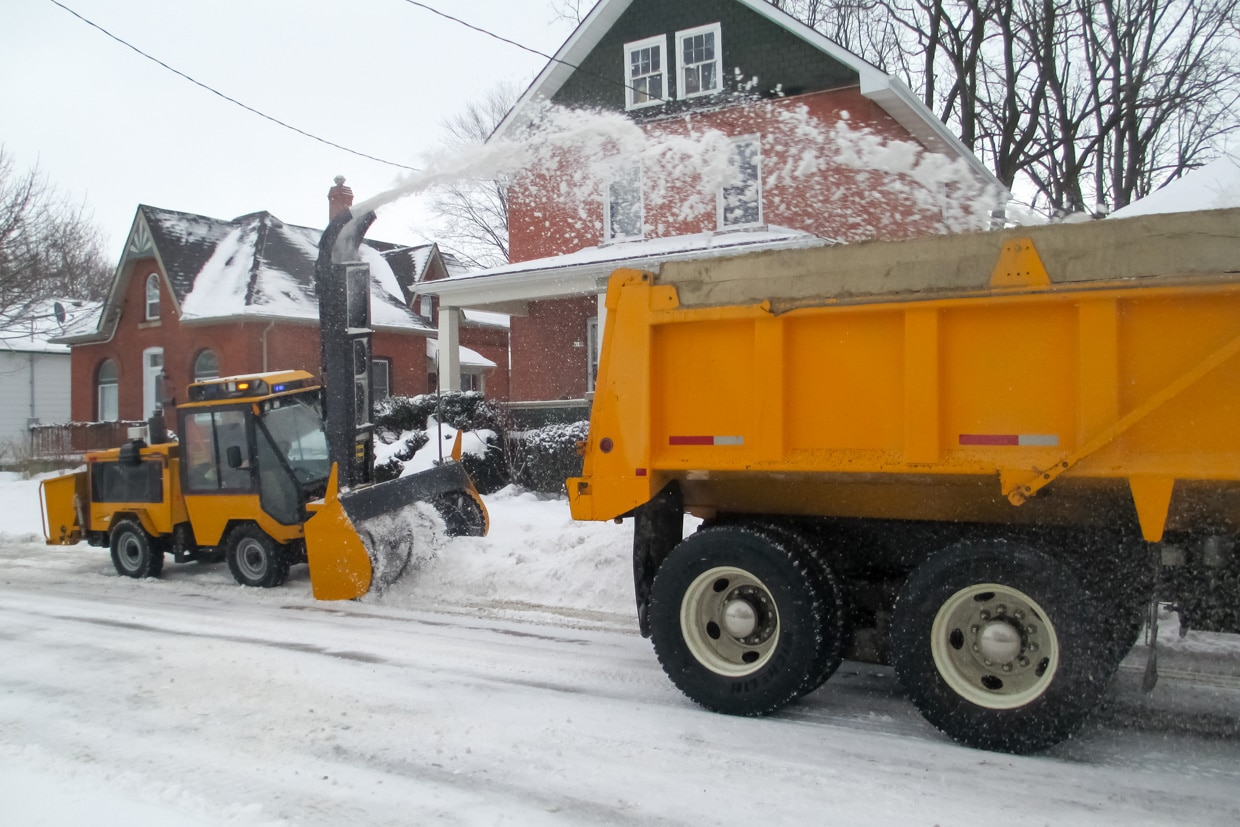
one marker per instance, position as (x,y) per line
(751,43)
(46,398)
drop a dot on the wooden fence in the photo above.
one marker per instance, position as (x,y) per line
(72,439)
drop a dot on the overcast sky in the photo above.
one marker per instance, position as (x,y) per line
(377,76)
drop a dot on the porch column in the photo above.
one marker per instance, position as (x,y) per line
(449,349)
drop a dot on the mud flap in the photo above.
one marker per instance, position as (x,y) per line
(360,540)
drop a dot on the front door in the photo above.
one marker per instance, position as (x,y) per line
(152,380)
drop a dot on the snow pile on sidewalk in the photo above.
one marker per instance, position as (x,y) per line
(535,556)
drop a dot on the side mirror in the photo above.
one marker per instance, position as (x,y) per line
(233,455)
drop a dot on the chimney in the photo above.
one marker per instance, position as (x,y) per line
(339,198)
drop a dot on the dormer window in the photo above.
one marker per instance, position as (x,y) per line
(645,72)
(699,61)
(152,297)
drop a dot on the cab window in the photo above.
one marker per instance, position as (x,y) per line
(216,452)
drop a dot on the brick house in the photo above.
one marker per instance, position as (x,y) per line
(196,297)
(742,68)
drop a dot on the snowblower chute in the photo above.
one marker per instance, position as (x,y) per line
(362,535)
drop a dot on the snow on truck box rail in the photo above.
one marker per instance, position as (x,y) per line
(1159,246)
(981,458)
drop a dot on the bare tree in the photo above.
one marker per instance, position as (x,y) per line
(49,248)
(574,11)
(472,216)
(1092,102)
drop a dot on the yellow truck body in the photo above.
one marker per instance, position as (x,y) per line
(980,389)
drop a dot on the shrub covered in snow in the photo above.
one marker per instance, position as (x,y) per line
(543,458)
(402,424)
(463,410)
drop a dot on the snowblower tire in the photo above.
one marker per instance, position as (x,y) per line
(255,559)
(134,552)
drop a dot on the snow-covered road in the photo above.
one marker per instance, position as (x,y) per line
(190,700)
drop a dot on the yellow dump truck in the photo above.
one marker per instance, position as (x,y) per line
(979,458)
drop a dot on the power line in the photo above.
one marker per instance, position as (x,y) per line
(521,46)
(226,97)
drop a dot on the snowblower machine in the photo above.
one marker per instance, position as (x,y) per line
(271,469)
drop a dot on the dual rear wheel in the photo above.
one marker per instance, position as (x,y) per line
(744,621)
(996,643)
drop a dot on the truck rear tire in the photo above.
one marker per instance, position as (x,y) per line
(134,552)
(829,592)
(738,621)
(255,559)
(999,646)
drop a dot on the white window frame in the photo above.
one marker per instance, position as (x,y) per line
(631,174)
(152,380)
(593,348)
(152,297)
(380,366)
(108,392)
(682,64)
(630,93)
(471,381)
(721,196)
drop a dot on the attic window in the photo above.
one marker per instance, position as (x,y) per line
(699,61)
(645,72)
(152,297)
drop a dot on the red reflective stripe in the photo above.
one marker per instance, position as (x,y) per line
(641,472)
(690,440)
(989,439)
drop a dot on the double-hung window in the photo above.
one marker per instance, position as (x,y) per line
(740,199)
(645,77)
(622,219)
(152,297)
(699,54)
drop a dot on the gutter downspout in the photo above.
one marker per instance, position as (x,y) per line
(263,338)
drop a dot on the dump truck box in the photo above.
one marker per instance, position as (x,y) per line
(865,381)
(944,396)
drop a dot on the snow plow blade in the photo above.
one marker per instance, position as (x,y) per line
(363,539)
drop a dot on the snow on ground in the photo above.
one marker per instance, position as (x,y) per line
(504,682)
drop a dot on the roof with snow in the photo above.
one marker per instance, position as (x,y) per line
(39,327)
(258,267)
(586,271)
(887,92)
(1215,186)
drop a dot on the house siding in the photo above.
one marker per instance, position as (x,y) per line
(239,346)
(752,45)
(551,345)
(36,385)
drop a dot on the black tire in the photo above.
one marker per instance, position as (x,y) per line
(134,552)
(255,559)
(998,646)
(737,621)
(461,514)
(829,593)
